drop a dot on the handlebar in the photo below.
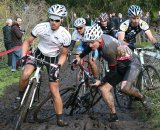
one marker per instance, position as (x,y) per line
(40,60)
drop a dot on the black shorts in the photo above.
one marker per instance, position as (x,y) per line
(38,54)
(126,71)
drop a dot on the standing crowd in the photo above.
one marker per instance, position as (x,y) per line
(13,33)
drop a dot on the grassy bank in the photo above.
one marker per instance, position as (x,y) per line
(7,78)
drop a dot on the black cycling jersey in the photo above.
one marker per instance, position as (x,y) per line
(131,32)
(109,29)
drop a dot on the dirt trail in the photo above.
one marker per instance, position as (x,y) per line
(129,119)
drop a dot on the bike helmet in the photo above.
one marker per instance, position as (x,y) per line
(57,10)
(103,17)
(134,10)
(93,33)
(79,22)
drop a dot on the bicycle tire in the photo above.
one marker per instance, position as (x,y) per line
(86,101)
(122,100)
(24,108)
(151,77)
(44,110)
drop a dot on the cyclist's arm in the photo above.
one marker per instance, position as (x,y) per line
(150,36)
(122,29)
(26,45)
(85,52)
(121,35)
(63,55)
(72,45)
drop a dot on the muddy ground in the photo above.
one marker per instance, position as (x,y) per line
(97,120)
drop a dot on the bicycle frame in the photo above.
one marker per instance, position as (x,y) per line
(36,76)
(74,97)
(140,52)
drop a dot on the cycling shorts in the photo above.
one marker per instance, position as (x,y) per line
(38,54)
(126,71)
(81,47)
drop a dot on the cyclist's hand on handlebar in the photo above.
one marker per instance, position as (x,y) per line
(54,72)
(157,45)
(75,62)
(23,60)
(97,83)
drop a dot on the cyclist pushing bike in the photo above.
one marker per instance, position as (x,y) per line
(123,64)
(131,27)
(80,25)
(53,39)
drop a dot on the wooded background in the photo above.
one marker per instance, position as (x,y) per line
(35,11)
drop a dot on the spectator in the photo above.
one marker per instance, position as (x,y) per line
(158,22)
(120,19)
(16,36)
(145,18)
(115,20)
(74,17)
(7,39)
(88,20)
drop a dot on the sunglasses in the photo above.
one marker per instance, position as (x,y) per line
(103,21)
(79,28)
(57,21)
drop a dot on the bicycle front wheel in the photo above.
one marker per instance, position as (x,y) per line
(23,110)
(151,78)
(44,110)
(83,102)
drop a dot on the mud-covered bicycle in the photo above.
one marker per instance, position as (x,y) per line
(147,81)
(32,93)
(74,100)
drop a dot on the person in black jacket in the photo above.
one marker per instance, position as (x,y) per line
(7,39)
(16,37)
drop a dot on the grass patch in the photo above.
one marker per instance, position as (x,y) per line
(154,118)
(7,78)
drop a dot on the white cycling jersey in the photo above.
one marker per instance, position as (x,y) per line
(51,41)
(76,36)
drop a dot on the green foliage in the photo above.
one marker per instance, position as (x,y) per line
(91,6)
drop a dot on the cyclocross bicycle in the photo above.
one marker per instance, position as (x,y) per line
(148,80)
(73,99)
(32,92)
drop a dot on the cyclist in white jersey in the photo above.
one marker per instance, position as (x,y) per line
(53,38)
(80,25)
(131,27)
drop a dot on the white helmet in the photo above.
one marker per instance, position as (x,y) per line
(93,33)
(103,17)
(134,10)
(79,22)
(57,10)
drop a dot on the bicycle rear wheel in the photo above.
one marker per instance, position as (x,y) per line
(44,110)
(23,110)
(151,78)
(122,100)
